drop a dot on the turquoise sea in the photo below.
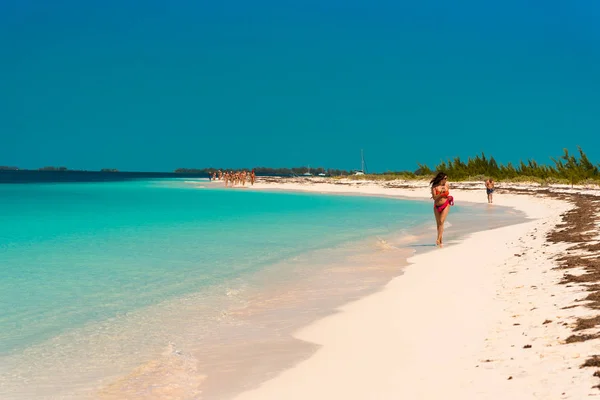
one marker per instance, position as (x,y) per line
(76,253)
(99,278)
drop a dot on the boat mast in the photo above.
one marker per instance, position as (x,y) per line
(362,161)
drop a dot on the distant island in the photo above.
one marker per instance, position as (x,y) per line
(567,169)
(52,174)
(53,169)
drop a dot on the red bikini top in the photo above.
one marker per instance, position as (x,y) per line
(445,194)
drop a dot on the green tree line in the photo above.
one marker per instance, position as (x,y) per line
(568,167)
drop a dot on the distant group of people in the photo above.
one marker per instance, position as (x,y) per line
(233,178)
(442,200)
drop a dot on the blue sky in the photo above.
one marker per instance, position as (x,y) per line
(154,86)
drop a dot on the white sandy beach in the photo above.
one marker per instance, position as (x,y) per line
(457,324)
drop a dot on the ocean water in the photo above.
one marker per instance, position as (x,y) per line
(99,278)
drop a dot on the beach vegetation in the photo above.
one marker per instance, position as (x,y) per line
(568,169)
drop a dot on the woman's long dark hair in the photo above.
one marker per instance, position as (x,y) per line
(438,178)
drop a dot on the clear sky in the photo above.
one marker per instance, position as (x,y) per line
(156,85)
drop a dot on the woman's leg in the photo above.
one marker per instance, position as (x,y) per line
(442,219)
(438,241)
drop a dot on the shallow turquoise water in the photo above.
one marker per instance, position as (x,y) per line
(71,254)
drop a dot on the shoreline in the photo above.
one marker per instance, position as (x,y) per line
(498,311)
(218,365)
(491,326)
(177,364)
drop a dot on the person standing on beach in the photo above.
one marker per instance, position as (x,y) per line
(440,193)
(489,189)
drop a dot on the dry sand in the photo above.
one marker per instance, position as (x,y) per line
(487,318)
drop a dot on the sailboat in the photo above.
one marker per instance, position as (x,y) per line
(363,168)
(307,173)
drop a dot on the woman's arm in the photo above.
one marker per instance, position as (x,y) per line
(435,196)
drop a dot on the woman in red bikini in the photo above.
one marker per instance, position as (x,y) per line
(440,192)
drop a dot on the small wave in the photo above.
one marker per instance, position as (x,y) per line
(384,244)
(173,375)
